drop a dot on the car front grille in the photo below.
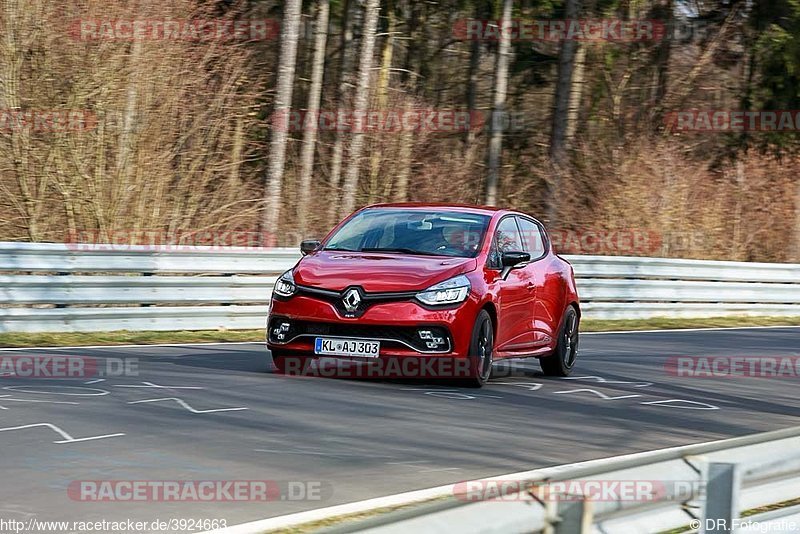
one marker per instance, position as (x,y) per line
(367,300)
(405,336)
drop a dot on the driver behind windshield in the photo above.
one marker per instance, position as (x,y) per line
(436,235)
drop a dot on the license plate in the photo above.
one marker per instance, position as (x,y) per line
(347,347)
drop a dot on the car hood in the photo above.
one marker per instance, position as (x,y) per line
(377,272)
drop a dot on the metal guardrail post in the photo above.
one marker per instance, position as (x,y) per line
(573,515)
(722,498)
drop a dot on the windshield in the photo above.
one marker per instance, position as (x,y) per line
(404,231)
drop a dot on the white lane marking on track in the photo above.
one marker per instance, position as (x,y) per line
(38,389)
(669,403)
(155,386)
(185,405)
(595,392)
(457,395)
(63,433)
(530,386)
(95,381)
(5,398)
(450,393)
(602,380)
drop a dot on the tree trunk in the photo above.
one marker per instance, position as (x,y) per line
(499,107)
(576,94)
(310,134)
(125,154)
(282,108)
(345,66)
(404,166)
(472,89)
(663,52)
(415,48)
(561,104)
(566,67)
(383,96)
(360,105)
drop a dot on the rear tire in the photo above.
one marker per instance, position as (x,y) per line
(289,364)
(481,349)
(562,361)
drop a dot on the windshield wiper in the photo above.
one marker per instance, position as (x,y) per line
(401,251)
(337,249)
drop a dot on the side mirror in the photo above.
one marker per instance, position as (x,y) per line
(307,247)
(513,260)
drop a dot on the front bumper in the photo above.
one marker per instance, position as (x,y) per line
(396,325)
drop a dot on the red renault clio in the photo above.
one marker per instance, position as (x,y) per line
(458,284)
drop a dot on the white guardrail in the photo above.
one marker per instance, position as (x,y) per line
(725,486)
(82,288)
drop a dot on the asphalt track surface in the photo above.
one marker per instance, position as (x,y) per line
(360,438)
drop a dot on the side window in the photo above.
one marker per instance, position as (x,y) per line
(506,239)
(532,237)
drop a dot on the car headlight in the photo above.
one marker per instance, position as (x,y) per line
(285,286)
(450,291)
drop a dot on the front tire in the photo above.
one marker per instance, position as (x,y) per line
(481,350)
(562,361)
(289,364)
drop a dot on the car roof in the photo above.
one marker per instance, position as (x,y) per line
(464,208)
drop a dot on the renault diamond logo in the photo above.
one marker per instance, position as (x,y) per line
(351,300)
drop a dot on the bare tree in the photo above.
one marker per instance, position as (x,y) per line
(346,59)
(360,105)
(560,131)
(566,68)
(383,98)
(472,88)
(283,105)
(499,105)
(314,93)
(576,94)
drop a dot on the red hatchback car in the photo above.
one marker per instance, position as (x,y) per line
(472,285)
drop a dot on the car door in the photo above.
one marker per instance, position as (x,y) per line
(535,243)
(515,294)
